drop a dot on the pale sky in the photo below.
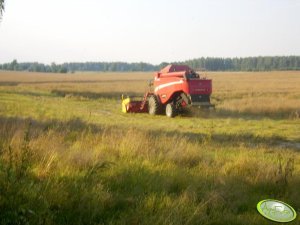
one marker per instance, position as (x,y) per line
(147,30)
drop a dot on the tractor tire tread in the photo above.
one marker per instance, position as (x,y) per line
(154,105)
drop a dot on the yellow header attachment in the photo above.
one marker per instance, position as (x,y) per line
(125,102)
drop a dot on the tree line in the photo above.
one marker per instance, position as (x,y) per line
(34,67)
(266,63)
(209,64)
(72,67)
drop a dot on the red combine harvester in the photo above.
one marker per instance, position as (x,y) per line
(175,87)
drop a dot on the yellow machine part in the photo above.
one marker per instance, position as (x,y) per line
(125,102)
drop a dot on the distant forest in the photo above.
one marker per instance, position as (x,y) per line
(265,63)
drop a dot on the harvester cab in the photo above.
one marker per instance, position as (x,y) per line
(174,88)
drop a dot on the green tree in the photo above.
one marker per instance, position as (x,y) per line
(14,65)
(54,68)
(1,8)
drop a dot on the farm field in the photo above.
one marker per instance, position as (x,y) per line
(68,155)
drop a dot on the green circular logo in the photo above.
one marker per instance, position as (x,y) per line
(276,211)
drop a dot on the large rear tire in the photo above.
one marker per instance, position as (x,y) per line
(171,110)
(153,105)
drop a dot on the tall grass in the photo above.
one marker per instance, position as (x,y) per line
(76,173)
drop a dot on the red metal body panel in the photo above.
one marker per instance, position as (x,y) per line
(200,87)
(172,74)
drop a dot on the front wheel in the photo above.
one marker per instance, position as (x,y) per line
(171,110)
(153,105)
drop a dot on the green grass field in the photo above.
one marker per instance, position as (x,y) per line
(69,156)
